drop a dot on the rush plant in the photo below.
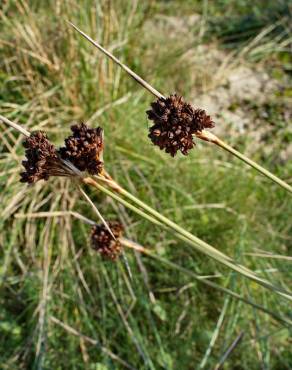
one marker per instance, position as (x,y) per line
(177,122)
(113,189)
(169,297)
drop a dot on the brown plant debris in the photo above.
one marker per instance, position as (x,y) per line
(175,123)
(103,242)
(42,160)
(84,148)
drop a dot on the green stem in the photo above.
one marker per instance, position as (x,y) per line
(255,165)
(184,235)
(131,244)
(208,136)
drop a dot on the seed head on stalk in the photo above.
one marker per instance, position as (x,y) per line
(42,160)
(175,123)
(84,148)
(170,144)
(174,120)
(104,243)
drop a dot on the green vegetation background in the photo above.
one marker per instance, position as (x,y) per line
(61,306)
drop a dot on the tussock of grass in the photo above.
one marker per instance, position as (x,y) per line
(56,294)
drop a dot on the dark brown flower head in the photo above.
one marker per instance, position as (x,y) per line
(103,242)
(175,122)
(84,148)
(41,159)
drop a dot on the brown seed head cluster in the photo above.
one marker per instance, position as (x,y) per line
(41,159)
(175,122)
(84,148)
(103,242)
